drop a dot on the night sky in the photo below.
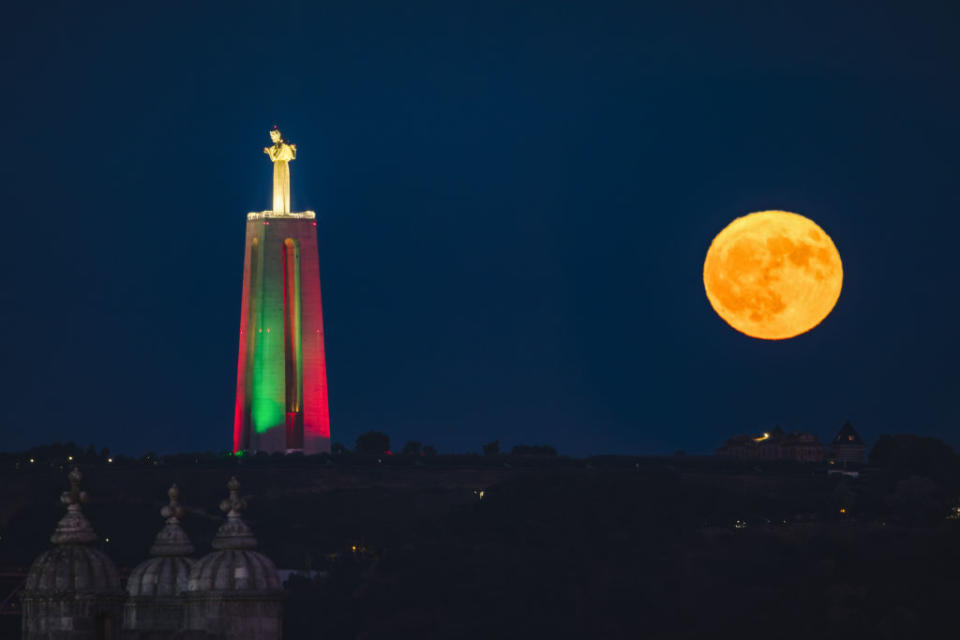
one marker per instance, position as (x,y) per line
(514,200)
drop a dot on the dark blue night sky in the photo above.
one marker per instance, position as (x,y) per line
(514,201)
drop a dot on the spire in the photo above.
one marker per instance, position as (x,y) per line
(234,533)
(74,528)
(172,539)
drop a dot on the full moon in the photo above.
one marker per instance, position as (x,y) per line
(773,274)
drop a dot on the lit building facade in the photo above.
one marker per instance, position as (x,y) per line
(281,400)
(800,446)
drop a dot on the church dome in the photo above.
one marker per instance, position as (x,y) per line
(73,587)
(234,592)
(164,576)
(73,565)
(168,571)
(234,565)
(234,570)
(72,568)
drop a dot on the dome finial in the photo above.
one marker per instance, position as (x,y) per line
(234,533)
(75,495)
(74,528)
(172,539)
(233,505)
(173,511)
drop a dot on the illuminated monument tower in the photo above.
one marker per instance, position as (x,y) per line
(281,372)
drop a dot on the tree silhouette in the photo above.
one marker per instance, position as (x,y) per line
(491,448)
(918,501)
(533,450)
(909,455)
(373,442)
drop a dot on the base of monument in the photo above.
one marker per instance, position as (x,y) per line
(281,361)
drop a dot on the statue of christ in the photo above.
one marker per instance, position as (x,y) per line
(281,153)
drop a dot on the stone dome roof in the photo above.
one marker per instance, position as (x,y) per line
(161,576)
(234,570)
(168,571)
(73,566)
(234,565)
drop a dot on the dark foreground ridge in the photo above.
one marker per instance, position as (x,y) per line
(528,546)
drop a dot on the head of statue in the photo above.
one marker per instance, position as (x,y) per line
(275,135)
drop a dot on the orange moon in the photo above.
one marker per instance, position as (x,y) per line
(773,274)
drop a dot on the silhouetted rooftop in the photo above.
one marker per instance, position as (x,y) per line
(847,435)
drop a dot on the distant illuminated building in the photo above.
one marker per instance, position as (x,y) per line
(281,401)
(847,447)
(775,445)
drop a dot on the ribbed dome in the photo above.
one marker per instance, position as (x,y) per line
(72,568)
(168,572)
(73,588)
(234,592)
(234,570)
(162,576)
(234,566)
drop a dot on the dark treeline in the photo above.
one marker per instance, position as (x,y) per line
(372,446)
(528,543)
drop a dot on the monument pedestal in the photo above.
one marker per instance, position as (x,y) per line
(281,403)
